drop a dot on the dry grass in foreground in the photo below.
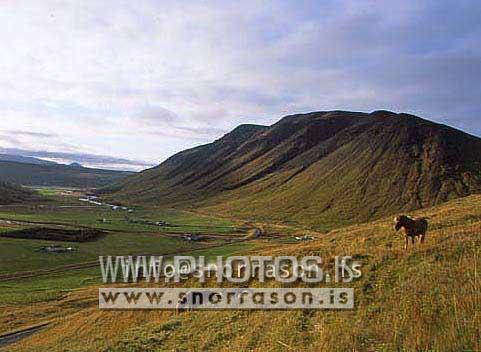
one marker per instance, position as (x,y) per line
(423,299)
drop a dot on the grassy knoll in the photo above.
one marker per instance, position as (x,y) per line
(423,299)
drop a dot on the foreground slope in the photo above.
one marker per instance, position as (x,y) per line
(423,299)
(57,175)
(322,169)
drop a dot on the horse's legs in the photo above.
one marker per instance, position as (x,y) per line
(423,235)
(407,241)
(413,240)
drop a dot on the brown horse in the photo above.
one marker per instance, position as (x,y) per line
(412,228)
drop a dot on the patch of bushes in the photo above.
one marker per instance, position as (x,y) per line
(54,234)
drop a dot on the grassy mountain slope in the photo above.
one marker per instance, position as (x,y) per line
(423,299)
(322,169)
(57,175)
(11,194)
(180,177)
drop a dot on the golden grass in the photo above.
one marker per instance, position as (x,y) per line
(425,299)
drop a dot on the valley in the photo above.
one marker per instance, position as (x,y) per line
(319,184)
(240,176)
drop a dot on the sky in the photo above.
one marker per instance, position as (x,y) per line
(126,84)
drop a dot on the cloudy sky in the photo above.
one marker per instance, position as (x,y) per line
(125,84)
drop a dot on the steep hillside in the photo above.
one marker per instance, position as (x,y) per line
(57,175)
(11,194)
(177,178)
(322,169)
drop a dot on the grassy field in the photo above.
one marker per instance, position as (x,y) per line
(423,299)
(25,255)
(56,285)
(120,220)
(127,233)
(46,288)
(48,191)
(8,228)
(122,238)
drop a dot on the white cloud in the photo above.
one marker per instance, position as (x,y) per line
(141,80)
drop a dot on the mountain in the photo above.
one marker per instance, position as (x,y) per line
(11,194)
(75,164)
(25,159)
(322,169)
(58,175)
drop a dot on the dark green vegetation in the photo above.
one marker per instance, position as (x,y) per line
(322,169)
(10,194)
(55,234)
(57,175)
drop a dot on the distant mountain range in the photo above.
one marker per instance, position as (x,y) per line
(25,159)
(37,173)
(31,160)
(322,169)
